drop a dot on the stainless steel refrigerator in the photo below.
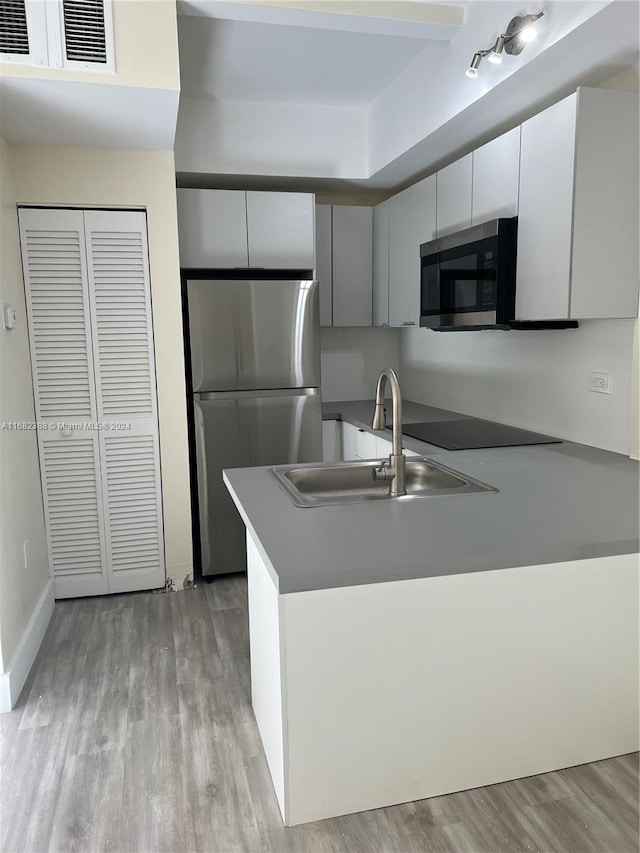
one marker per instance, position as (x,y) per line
(255,375)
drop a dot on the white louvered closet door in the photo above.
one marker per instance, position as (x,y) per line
(122,332)
(89,309)
(56,284)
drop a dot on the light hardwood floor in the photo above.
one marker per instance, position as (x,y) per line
(135,733)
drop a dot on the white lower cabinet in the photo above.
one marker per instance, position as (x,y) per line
(361,444)
(88,301)
(357,443)
(385,447)
(349,441)
(331,441)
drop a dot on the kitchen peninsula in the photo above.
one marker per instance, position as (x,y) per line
(403,649)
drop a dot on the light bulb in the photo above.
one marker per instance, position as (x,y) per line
(472,70)
(495,58)
(528,34)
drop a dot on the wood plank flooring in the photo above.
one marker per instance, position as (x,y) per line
(135,733)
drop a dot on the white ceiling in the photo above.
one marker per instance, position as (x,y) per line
(256,62)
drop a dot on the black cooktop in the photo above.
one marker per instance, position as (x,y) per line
(471,434)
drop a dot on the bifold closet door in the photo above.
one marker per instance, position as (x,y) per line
(88,301)
(122,333)
(56,283)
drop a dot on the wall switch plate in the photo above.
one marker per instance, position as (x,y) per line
(9,317)
(600,382)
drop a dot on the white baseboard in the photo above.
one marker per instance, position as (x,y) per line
(13,680)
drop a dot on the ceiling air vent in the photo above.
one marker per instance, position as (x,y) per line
(14,35)
(84,30)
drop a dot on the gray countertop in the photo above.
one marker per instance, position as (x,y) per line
(556,503)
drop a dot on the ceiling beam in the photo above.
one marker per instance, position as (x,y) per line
(410,18)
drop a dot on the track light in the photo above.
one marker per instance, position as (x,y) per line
(472,70)
(496,54)
(521,30)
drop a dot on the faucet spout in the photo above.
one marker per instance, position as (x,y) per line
(396,466)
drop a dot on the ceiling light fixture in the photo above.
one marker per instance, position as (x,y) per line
(521,30)
(496,54)
(472,70)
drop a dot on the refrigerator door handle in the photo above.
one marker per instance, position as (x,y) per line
(203,491)
(247,395)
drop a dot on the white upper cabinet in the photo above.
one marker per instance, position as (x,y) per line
(412,221)
(226,229)
(344,260)
(352,265)
(324,262)
(281,230)
(496,175)
(578,209)
(454,196)
(381,264)
(212,227)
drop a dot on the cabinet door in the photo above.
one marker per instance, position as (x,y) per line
(212,227)
(545,213)
(454,196)
(324,263)
(349,442)
(366,445)
(281,230)
(352,231)
(496,175)
(384,447)
(605,208)
(56,285)
(124,366)
(88,297)
(412,222)
(381,264)
(331,441)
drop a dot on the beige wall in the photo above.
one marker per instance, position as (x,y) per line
(145,37)
(21,513)
(63,175)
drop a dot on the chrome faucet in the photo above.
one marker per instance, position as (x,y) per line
(394,468)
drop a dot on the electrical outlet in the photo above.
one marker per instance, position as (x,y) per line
(25,551)
(600,382)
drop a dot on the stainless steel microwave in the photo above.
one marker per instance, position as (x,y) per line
(468,279)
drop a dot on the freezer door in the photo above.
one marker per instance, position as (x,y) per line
(253,334)
(239,431)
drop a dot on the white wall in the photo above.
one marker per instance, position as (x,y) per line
(21,511)
(230,137)
(536,380)
(352,359)
(61,175)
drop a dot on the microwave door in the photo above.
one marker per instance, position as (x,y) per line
(462,290)
(431,295)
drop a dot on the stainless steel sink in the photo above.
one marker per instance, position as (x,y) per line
(353,482)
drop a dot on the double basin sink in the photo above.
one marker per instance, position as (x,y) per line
(354,482)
